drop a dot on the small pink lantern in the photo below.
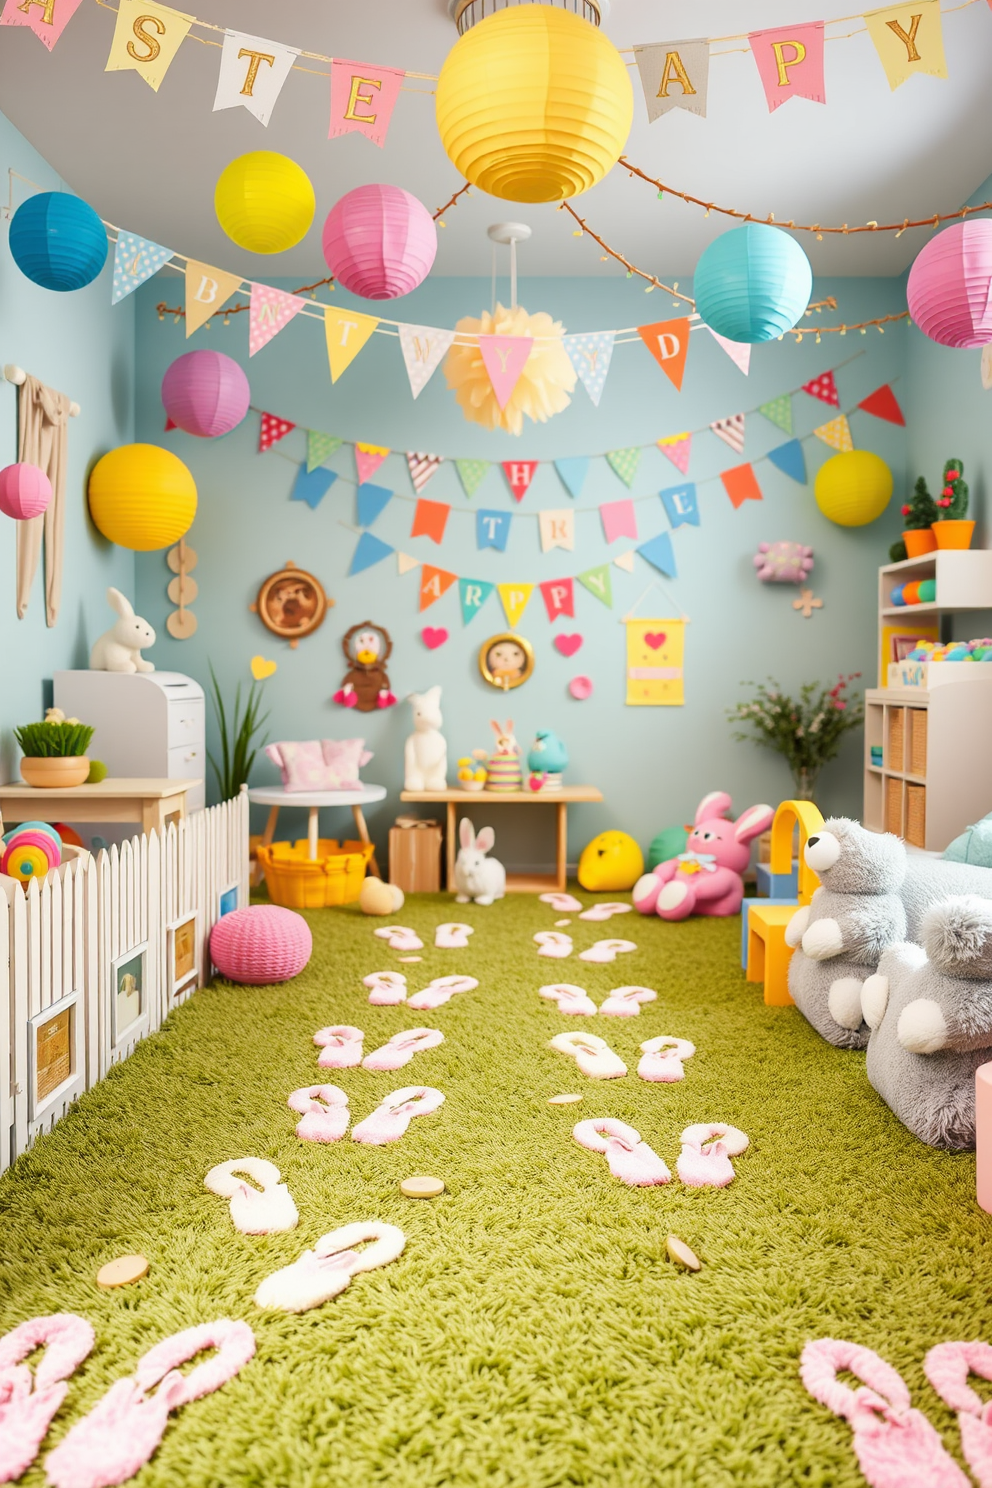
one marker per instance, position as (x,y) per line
(948,291)
(379,242)
(25,492)
(205,393)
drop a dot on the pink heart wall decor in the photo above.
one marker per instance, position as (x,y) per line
(433,636)
(655,638)
(567,645)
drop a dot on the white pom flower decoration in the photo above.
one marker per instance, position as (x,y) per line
(544,385)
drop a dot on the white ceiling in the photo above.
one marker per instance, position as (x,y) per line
(149,161)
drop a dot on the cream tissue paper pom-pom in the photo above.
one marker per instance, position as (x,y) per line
(545,383)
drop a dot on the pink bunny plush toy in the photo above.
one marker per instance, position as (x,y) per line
(706,878)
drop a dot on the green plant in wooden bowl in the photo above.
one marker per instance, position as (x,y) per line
(55,751)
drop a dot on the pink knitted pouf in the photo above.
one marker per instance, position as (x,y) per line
(261,944)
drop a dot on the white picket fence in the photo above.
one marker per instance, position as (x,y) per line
(95,956)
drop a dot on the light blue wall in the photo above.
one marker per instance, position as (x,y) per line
(653,764)
(78,344)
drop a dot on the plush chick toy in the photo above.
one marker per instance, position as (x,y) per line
(610,861)
(378,898)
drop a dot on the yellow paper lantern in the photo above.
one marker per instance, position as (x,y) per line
(853,488)
(264,202)
(534,104)
(142,497)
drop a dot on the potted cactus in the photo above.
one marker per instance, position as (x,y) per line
(951,529)
(919,512)
(55,751)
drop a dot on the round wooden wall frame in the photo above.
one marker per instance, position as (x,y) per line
(505,677)
(292,604)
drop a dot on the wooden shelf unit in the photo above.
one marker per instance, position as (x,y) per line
(964,582)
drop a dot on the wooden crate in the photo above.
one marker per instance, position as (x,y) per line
(415,858)
(916,815)
(893,806)
(918,741)
(897,739)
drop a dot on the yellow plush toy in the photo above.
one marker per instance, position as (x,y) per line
(610,861)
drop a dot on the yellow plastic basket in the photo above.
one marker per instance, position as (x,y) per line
(297,881)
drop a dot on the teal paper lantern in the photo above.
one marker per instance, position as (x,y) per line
(752,283)
(58,241)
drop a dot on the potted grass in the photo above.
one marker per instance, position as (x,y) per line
(951,529)
(54,752)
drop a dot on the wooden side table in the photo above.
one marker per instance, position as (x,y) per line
(153,803)
(277,796)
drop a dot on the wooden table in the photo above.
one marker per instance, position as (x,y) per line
(277,796)
(516,883)
(153,803)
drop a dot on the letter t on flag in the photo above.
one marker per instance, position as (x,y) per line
(790,62)
(668,343)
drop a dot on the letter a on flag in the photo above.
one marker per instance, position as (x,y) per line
(46,18)
(668,343)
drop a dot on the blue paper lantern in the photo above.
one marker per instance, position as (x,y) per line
(58,241)
(752,283)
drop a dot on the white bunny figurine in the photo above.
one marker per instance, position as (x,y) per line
(119,649)
(476,876)
(425,755)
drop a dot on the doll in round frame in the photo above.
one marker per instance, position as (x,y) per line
(506,661)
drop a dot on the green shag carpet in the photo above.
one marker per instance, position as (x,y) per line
(533,1333)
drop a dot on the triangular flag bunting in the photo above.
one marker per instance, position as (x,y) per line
(625,560)
(678,448)
(515,599)
(430,519)
(790,458)
(573,470)
(347,332)
(590,353)
(368,551)
(312,486)
(519,474)
(252,73)
(790,62)
(778,411)
(824,388)
(836,433)
(557,529)
(473,594)
(433,583)
(882,404)
(624,463)
(272,429)
(146,38)
(660,554)
(207,290)
(597,581)
(46,18)
(619,520)
(668,343)
(731,431)
(170,424)
(362,98)
(471,473)
(492,528)
(681,505)
(559,597)
(370,502)
(135,260)
(908,39)
(741,485)
(739,352)
(422,467)
(505,358)
(404,562)
(269,311)
(368,458)
(320,447)
(423,347)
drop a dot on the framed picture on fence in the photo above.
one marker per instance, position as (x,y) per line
(227,900)
(55,1075)
(129,996)
(181,952)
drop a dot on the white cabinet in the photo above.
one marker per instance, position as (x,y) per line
(148,724)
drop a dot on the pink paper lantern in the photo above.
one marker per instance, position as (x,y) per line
(379,242)
(948,288)
(205,393)
(25,492)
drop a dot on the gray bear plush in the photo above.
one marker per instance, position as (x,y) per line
(930,1013)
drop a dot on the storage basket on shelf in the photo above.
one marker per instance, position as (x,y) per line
(297,881)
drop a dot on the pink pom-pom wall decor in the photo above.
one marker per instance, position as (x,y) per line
(260,945)
(25,492)
(205,393)
(948,291)
(379,242)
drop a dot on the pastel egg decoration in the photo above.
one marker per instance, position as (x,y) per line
(30,851)
(379,242)
(853,488)
(264,202)
(534,104)
(58,241)
(25,491)
(205,393)
(752,283)
(948,287)
(142,497)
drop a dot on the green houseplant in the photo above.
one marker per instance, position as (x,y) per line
(54,752)
(806,730)
(919,512)
(239,741)
(950,527)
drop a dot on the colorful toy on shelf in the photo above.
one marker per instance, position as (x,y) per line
(783,562)
(30,850)
(472,770)
(707,878)
(919,591)
(119,648)
(610,862)
(978,650)
(505,773)
(366,648)
(426,752)
(476,876)
(547,762)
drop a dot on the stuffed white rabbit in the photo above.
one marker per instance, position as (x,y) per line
(426,752)
(476,876)
(119,649)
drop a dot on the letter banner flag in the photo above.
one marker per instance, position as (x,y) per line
(882,404)
(362,97)
(514,598)
(135,260)
(271,430)
(423,347)
(590,353)
(674,74)
(269,312)
(660,554)
(421,467)
(790,458)
(559,598)
(46,18)
(790,62)
(836,433)
(433,583)
(557,529)
(147,37)
(404,563)
(625,560)
(471,473)
(368,458)
(731,431)
(252,73)
(655,658)
(321,447)
(368,551)
(207,290)
(492,529)
(739,352)
(741,485)
(624,463)
(505,358)
(573,470)
(681,505)
(823,387)
(908,39)
(347,332)
(519,474)
(619,520)
(312,486)
(370,502)
(678,448)
(779,412)
(473,594)
(597,581)
(430,519)
(668,343)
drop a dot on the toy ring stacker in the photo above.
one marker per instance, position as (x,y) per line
(30,851)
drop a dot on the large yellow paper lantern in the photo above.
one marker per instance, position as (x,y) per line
(853,488)
(264,202)
(534,104)
(142,497)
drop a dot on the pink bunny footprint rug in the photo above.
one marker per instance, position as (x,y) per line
(704,1161)
(323,1272)
(605,951)
(440,991)
(453,937)
(553,943)
(563,903)
(662,1059)
(323,1110)
(629,1158)
(573,1001)
(598,912)
(593,1055)
(402,1047)
(947,1367)
(390,1121)
(625,1002)
(29,1403)
(400,938)
(340,1046)
(386,988)
(254,1211)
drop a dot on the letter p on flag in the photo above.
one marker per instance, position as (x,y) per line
(790,62)
(668,343)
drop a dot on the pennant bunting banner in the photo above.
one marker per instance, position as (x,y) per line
(505,358)
(514,599)
(677,447)
(423,347)
(147,37)
(471,473)
(668,343)
(681,505)
(320,447)
(790,458)
(347,332)
(779,412)
(492,529)
(207,290)
(597,581)
(269,312)
(825,388)
(271,430)
(655,663)
(135,260)
(370,502)
(908,39)
(559,598)
(836,433)
(739,352)
(573,470)
(433,583)
(625,560)
(619,520)
(731,431)
(519,474)
(368,458)
(674,75)
(422,467)
(170,424)
(590,353)
(624,463)
(252,73)
(363,97)
(790,62)
(557,529)
(405,563)
(46,18)
(660,554)
(741,485)
(882,404)
(369,550)
(312,486)
(473,594)
(430,520)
